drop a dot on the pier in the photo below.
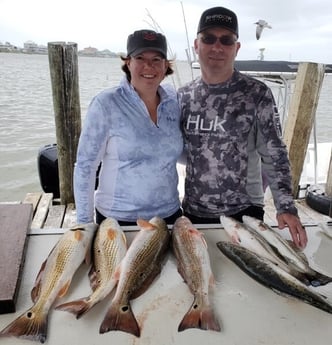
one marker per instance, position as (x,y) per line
(48,215)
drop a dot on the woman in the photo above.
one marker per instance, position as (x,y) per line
(133,130)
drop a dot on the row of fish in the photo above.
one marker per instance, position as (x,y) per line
(128,271)
(266,256)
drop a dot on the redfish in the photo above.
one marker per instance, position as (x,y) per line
(140,266)
(109,248)
(53,281)
(190,249)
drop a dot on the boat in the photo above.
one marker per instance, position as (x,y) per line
(266,67)
(195,65)
(47,162)
(317,199)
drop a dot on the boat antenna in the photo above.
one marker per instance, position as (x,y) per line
(156,27)
(188,44)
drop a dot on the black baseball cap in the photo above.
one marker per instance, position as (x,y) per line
(218,17)
(143,40)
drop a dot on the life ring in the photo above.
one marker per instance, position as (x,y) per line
(318,200)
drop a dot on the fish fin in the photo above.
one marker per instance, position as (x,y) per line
(319,279)
(144,224)
(202,318)
(78,307)
(27,326)
(35,292)
(235,238)
(120,318)
(88,255)
(200,235)
(212,280)
(93,277)
(124,239)
(64,289)
(117,272)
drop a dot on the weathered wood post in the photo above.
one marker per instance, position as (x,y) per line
(301,115)
(63,64)
(328,188)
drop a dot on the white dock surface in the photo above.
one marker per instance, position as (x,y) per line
(249,313)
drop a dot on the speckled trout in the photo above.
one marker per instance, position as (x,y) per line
(109,248)
(53,281)
(140,266)
(295,259)
(272,276)
(190,249)
(246,237)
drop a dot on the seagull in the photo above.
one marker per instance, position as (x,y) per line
(261,24)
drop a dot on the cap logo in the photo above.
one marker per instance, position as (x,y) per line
(218,17)
(149,36)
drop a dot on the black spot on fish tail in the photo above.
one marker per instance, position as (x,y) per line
(318,279)
(120,318)
(315,283)
(199,316)
(29,325)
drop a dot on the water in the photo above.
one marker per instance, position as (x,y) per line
(27,116)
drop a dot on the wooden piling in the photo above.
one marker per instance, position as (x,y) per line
(63,64)
(328,188)
(300,119)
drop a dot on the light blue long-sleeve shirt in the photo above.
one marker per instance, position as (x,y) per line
(138,177)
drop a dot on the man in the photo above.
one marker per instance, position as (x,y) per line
(231,135)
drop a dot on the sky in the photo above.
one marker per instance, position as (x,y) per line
(301,29)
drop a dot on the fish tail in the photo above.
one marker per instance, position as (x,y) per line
(320,279)
(202,318)
(120,318)
(78,307)
(28,326)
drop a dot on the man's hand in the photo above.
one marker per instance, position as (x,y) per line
(296,229)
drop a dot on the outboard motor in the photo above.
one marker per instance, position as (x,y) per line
(48,169)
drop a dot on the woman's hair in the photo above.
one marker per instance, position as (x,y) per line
(125,68)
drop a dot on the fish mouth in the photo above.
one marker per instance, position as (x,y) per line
(75,229)
(88,227)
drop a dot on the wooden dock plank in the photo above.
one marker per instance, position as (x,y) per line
(50,214)
(55,216)
(32,198)
(13,235)
(42,210)
(70,216)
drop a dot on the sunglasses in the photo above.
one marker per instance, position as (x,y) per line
(224,40)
